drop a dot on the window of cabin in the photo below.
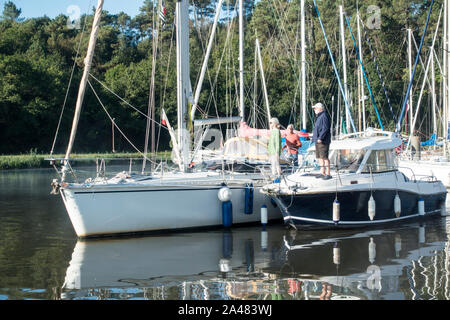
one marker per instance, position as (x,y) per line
(379,161)
(347,159)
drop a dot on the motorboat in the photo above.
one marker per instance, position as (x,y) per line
(366,187)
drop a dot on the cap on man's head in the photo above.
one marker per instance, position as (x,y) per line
(318,105)
(290,126)
(274,121)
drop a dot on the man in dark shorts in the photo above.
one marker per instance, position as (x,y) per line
(322,139)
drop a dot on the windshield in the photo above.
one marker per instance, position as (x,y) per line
(380,161)
(347,159)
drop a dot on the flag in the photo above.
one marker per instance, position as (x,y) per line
(163,12)
(164,118)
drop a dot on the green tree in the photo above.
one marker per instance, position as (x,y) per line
(11,12)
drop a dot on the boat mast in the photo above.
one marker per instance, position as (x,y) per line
(411,113)
(183,82)
(444,74)
(447,51)
(361,77)
(303,53)
(263,79)
(205,62)
(151,104)
(241,60)
(83,83)
(433,93)
(344,61)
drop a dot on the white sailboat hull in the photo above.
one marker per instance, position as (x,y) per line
(115,208)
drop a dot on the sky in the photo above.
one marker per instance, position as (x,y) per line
(52,8)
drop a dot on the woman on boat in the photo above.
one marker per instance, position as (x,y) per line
(274,148)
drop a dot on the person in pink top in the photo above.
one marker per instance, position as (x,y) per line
(292,144)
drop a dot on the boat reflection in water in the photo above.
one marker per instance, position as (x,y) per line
(408,262)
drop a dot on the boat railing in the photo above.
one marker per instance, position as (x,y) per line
(81,169)
(418,177)
(370,132)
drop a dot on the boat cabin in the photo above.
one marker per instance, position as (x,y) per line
(361,153)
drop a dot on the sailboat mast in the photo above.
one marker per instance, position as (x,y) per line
(303,53)
(447,51)
(433,94)
(411,113)
(263,80)
(83,83)
(205,62)
(241,60)
(344,61)
(183,81)
(151,105)
(361,77)
(444,74)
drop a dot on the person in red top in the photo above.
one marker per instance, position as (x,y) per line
(292,144)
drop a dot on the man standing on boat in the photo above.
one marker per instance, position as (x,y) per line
(322,139)
(274,148)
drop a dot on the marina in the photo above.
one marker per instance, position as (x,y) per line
(41,258)
(292,175)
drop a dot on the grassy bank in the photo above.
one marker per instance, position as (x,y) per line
(33,160)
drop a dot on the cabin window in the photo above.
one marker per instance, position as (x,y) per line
(380,161)
(347,159)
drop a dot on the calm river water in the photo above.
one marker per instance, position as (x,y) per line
(41,258)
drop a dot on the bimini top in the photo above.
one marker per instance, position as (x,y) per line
(368,140)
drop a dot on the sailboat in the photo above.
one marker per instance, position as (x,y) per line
(435,163)
(184,199)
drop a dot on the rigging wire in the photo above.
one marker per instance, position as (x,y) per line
(117,127)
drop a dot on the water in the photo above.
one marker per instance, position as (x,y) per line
(41,258)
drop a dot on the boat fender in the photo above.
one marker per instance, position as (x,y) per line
(336,254)
(263,214)
(398,245)
(249,199)
(224,194)
(371,208)
(397,206)
(227,244)
(264,240)
(421,207)
(372,251)
(227,214)
(224,265)
(336,211)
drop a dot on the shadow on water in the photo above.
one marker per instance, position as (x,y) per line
(40,258)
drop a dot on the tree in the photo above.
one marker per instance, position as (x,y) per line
(11,12)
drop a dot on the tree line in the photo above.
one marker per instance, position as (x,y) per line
(41,62)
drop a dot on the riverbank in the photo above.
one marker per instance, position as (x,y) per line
(34,161)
